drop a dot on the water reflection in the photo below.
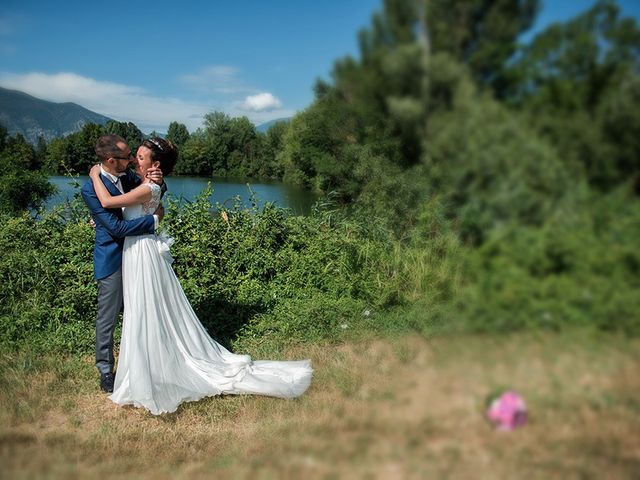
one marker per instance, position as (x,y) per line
(225,190)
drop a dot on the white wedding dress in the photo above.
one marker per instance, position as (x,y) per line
(166,356)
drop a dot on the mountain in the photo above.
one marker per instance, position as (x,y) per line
(31,116)
(263,127)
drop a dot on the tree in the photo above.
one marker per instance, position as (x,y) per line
(243,147)
(20,187)
(487,165)
(316,148)
(224,146)
(40,153)
(482,34)
(83,147)
(620,120)
(223,139)
(24,190)
(4,136)
(17,155)
(272,145)
(571,65)
(75,152)
(178,134)
(217,135)
(127,130)
(59,155)
(194,158)
(578,81)
(377,103)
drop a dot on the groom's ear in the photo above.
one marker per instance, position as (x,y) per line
(156,164)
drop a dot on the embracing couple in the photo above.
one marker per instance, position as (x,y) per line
(166,356)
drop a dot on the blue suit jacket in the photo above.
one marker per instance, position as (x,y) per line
(111,228)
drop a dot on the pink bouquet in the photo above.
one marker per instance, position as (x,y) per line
(508,411)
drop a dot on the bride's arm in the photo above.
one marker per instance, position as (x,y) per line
(138,195)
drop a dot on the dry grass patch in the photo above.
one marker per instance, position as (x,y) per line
(404,407)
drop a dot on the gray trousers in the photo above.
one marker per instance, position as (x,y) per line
(109,306)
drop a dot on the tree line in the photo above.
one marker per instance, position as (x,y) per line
(502,178)
(224,146)
(444,101)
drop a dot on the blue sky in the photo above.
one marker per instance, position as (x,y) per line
(154,62)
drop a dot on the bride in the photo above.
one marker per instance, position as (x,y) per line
(166,356)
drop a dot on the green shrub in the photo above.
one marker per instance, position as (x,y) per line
(245,272)
(580,268)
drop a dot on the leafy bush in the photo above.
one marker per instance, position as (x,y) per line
(248,274)
(581,267)
(22,186)
(48,296)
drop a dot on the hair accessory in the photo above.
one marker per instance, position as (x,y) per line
(156,143)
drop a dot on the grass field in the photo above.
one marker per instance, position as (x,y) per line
(399,407)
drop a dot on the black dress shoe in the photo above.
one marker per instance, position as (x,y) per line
(106,382)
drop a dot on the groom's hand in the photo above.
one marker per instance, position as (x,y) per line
(155,175)
(160,212)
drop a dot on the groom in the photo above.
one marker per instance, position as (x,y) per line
(115,157)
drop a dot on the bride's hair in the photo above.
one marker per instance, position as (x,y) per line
(162,151)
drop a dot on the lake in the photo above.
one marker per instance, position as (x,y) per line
(225,190)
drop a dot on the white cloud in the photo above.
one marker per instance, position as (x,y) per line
(130,103)
(216,79)
(261,117)
(118,101)
(260,103)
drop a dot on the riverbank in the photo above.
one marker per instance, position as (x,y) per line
(392,407)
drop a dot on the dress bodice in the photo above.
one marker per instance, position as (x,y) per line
(146,208)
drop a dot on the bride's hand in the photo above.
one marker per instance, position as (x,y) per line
(95,171)
(155,175)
